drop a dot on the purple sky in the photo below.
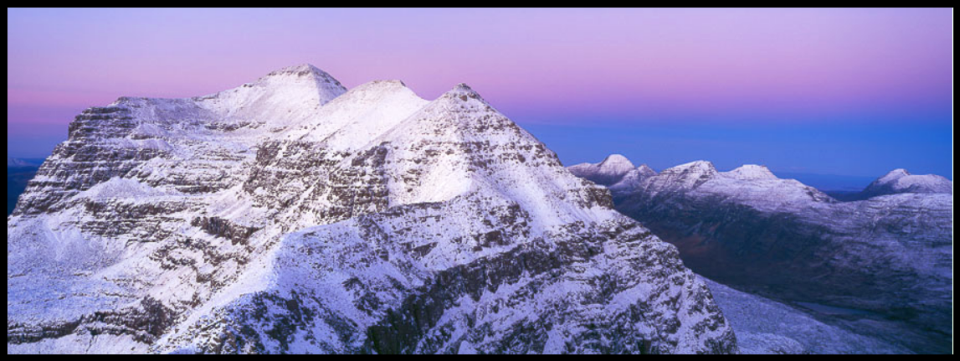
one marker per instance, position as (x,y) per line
(872,86)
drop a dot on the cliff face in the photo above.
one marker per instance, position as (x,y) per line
(291,215)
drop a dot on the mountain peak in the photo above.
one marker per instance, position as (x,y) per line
(894,174)
(302,69)
(382,84)
(280,98)
(752,171)
(646,171)
(616,163)
(697,166)
(901,181)
(299,73)
(691,174)
(463,92)
(685,176)
(610,171)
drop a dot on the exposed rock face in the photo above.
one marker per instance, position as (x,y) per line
(890,255)
(291,215)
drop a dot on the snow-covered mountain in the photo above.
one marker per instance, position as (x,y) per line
(293,215)
(616,172)
(900,181)
(611,170)
(890,254)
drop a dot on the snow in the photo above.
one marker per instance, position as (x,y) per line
(749,184)
(893,175)
(764,326)
(631,180)
(901,181)
(646,171)
(684,176)
(283,96)
(292,189)
(121,188)
(615,164)
(610,171)
(751,171)
(697,168)
(355,119)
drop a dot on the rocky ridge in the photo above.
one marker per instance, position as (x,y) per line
(290,215)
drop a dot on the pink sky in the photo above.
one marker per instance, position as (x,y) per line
(773,64)
(563,67)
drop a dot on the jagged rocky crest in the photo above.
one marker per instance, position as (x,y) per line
(292,215)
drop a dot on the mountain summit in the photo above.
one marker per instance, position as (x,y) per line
(616,172)
(611,170)
(900,181)
(291,215)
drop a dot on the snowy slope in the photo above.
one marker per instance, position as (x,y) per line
(630,181)
(292,215)
(889,254)
(900,181)
(616,172)
(764,326)
(611,170)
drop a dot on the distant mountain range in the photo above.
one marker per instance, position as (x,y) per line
(889,254)
(23,162)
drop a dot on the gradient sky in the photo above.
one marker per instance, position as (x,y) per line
(854,92)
